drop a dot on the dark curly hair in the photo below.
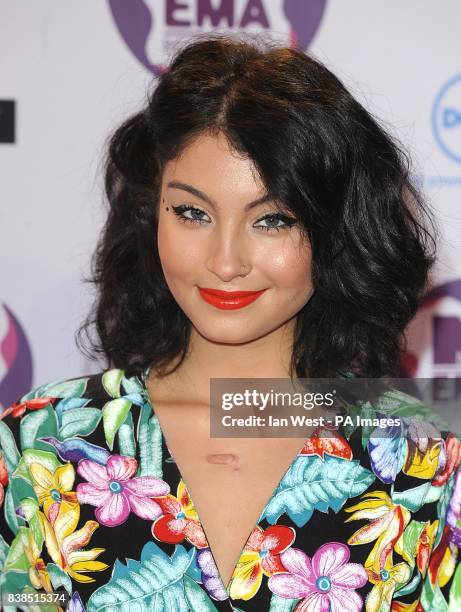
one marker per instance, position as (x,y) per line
(321,154)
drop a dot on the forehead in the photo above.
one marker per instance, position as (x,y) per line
(211,164)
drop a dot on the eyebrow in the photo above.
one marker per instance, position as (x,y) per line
(202,196)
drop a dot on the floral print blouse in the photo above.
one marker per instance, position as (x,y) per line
(96,514)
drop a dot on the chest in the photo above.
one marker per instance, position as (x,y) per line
(229,480)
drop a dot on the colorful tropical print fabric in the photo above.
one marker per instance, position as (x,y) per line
(94,507)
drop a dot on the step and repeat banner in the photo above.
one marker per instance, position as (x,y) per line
(71,71)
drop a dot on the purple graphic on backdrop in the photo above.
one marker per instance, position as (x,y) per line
(134,22)
(446,331)
(305,18)
(16,354)
(138,22)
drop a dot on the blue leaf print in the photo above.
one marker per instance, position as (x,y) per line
(194,570)
(68,404)
(135,398)
(387,453)
(153,583)
(132,385)
(150,443)
(315,484)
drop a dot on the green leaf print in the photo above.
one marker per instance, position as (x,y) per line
(79,422)
(281,604)
(454,598)
(442,507)
(111,382)
(406,545)
(408,588)
(44,458)
(17,558)
(432,598)
(315,484)
(30,508)
(398,404)
(61,389)
(59,577)
(150,443)
(415,498)
(4,548)
(8,446)
(126,441)
(367,412)
(15,582)
(13,521)
(36,424)
(114,413)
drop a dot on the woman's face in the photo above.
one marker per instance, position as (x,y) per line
(209,237)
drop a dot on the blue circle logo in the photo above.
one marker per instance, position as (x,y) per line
(446,118)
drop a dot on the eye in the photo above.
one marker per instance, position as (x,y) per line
(287,222)
(180,211)
(194,217)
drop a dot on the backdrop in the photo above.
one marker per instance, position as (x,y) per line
(70,71)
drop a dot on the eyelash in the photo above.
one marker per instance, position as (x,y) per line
(288,221)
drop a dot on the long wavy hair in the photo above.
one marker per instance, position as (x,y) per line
(320,153)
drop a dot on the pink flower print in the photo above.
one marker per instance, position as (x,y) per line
(116,493)
(327,582)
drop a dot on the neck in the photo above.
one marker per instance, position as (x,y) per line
(265,357)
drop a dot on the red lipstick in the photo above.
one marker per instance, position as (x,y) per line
(229,300)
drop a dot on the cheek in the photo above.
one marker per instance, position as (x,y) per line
(178,256)
(289,267)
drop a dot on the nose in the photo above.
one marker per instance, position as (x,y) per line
(228,254)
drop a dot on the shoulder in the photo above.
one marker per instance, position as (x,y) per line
(68,407)
(404,441)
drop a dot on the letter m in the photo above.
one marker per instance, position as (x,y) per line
(225,10)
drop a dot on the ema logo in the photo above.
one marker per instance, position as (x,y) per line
(152,29)
(435,335)
(446,118)
(15,360)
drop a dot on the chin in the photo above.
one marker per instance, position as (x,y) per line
(240,334)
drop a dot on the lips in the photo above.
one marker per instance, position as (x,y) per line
(229,300)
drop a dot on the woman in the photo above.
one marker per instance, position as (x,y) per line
(250,169)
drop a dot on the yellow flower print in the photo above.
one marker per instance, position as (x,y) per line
(53,489)
(65,545)
(38,573)
(385,582)
(186,502)
(423,457)
(388,521)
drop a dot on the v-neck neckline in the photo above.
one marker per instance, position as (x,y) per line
(144,376)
